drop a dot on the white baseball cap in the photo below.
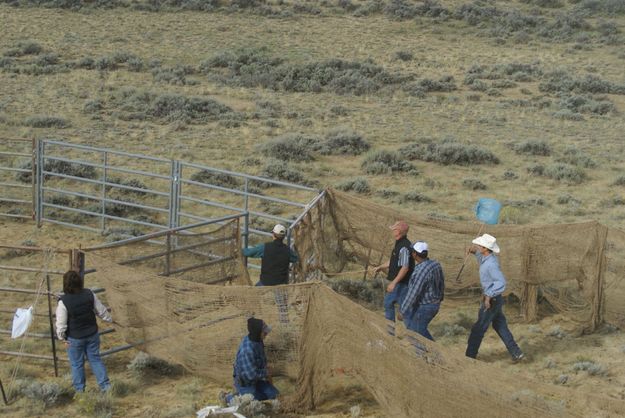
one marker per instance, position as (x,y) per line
(420,246)
(279,230)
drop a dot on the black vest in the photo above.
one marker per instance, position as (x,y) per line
(274,268)
(393,268)
(81,321)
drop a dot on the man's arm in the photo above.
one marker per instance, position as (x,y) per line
(255,252)
(293,256)
(61,321)
(382,266)
(101,310)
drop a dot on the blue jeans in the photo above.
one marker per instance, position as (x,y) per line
(88,347)
(262,391)
(392,298)
(495,316)
(421,318)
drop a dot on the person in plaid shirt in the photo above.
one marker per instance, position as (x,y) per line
(250,365)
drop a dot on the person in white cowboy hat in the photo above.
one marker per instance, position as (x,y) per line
(491,309)
(276,257)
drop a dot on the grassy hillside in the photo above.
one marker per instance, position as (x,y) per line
(422,105)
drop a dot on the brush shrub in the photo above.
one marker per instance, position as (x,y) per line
(533,147)
(386,162)
(216,178)
(21,48)
(358,185)
(449,152)
(45,121)
(291,147)
(343,142)
(473,184)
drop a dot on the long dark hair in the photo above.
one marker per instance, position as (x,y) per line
(72,282)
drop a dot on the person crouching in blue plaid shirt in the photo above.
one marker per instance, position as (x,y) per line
(250,365)
(425,291)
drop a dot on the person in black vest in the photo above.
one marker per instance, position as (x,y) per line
(276,257)
(400,267)
(76,325)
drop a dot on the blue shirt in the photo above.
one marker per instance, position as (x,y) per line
(250,364)
(427,285)
(491,278)
(259,252)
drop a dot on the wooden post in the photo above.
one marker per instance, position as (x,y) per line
(4,395)
(52,339)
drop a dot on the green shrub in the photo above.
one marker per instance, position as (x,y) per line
(576,157)
(551,4)
(619,181)
(358,185)
(386,162)
(43,121)
(563,82)
(291,147)
(216,178)
(279,170)
(567,114)
(609,7)
(134,183)
(567,199)
(447,153)
(50,393)
(139,105)
(592,368)
(403,56)
(22,48)
(255,68)
(343,142)
(473,184)
(143,364)
(95,404)
(369,291)
(565,173)
(174,75)
(93,106)
(585,104)
(533,147)
(414,197)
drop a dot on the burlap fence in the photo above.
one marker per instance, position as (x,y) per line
(577,269)
(318,334)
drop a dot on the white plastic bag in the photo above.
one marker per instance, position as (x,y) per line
(21,321)
(214,410)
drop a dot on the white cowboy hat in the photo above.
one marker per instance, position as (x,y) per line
(487,241)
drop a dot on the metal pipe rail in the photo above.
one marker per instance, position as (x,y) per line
(162,233)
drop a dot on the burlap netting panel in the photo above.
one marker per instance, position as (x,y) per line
(564,264)
(317,334)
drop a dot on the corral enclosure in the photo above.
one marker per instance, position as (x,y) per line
(418,106)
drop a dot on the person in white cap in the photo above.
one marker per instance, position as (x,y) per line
(425,291)
(399,267)
(276,257)
(491,309)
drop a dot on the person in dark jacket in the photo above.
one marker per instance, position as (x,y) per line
(76,326)
(251,374)
(400,267)
(276,257)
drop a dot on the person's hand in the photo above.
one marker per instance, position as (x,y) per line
(486,302)
(66,343)
(400,316)
(472,249)
(390,287)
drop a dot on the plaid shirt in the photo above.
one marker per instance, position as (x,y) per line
(427,285)
(250,364)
